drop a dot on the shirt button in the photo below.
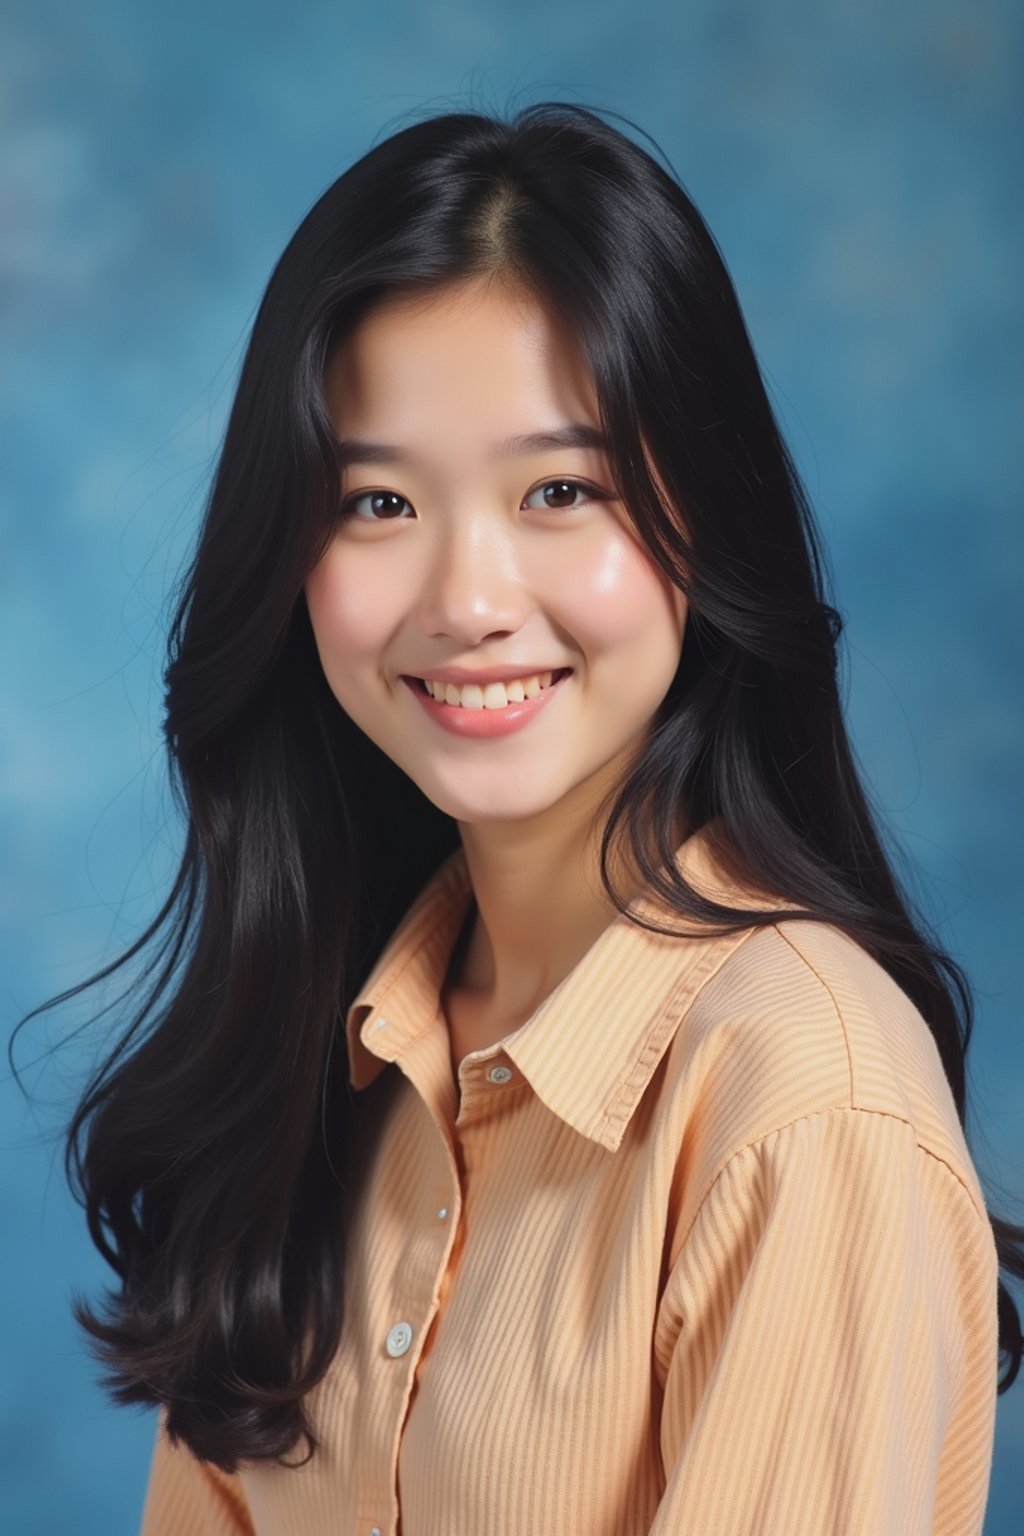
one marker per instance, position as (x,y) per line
(500,1074)
(399,1339)
(375,1530)
(382,1023)
(442,1213)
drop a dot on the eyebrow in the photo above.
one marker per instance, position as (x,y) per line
(350,450)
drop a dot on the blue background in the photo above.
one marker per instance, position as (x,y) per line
(857,163)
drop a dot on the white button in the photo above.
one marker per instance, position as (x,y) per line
(500,1074)
(375,1530)
(442,1213)
(382,1023)
(399,1339)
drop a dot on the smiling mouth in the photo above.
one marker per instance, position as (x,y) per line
(556,676)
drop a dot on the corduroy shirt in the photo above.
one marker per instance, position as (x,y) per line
(698,1248)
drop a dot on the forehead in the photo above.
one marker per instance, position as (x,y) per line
(482,353)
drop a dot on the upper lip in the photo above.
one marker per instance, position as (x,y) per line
(461,675)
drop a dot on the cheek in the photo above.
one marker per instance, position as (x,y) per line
(621,602)
(348,615)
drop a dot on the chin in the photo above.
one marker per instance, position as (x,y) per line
(490,807)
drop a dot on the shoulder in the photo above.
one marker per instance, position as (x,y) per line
(801,1019)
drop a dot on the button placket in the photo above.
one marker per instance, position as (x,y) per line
(402,1334)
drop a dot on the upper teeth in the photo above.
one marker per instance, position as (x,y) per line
(491,695)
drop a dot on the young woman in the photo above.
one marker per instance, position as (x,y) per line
(550,1115)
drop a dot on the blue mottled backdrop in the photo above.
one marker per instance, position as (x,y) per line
(859,165)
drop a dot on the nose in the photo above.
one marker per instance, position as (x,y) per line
(473,584)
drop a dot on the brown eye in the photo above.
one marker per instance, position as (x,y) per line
(559,495)
(382,502)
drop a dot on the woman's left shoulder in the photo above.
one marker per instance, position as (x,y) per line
(814,977)
(800,1019)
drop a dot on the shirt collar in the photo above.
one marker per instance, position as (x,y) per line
(591,1047)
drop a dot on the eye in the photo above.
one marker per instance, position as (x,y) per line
(564,491)
(386,506)
(382,501)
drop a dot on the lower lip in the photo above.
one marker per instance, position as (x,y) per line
(484,722)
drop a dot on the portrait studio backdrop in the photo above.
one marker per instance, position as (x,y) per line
(856,162)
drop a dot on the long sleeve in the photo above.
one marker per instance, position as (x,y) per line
(829,1324)
(188,1497)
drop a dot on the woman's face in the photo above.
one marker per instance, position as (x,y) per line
(455,550)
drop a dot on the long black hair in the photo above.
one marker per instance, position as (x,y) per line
(216,1146)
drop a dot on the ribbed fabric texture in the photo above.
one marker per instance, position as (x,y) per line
(699,1248)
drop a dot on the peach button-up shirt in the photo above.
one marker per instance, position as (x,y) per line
(697,1250)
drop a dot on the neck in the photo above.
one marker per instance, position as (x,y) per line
(539,906)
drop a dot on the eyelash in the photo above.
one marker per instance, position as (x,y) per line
(591,494)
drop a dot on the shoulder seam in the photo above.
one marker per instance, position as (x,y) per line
(829,1109)
(829,994)
(981,1211)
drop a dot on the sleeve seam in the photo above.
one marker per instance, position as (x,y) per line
(981,1212)
(828,1109)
